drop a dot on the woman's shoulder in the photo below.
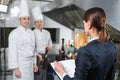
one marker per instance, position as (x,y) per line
(110,45)
(83,50)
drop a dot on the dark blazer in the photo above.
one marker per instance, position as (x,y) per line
(95,61)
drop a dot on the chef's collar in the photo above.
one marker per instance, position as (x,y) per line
(39,29)
(93,39)
(22,28)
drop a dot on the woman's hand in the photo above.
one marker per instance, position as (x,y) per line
(17,73)
(59,68)
(35,68)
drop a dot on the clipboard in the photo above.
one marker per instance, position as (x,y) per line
(69,66)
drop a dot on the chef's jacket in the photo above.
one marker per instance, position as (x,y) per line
(42,39)
(21,52)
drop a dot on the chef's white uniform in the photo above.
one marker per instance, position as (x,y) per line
(42,39)
(21,52)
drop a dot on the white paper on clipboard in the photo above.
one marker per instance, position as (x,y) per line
(69,66)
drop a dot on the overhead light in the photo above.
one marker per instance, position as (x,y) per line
(14,11)
(3,8)
(4,5)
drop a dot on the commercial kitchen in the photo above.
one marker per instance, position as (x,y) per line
(63,19)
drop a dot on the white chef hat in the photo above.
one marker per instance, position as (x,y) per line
(37,13)
(24,10)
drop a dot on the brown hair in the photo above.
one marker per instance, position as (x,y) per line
(97,18)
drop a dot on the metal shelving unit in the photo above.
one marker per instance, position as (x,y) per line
(2,51)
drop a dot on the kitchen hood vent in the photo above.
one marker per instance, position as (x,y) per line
(44,0)
(57,4)
(69,16)
(114,33)
(64,12)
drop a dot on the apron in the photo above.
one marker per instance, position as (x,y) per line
(26,70)
(42,70)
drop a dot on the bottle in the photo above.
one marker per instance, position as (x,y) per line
(116,75)
(63,49)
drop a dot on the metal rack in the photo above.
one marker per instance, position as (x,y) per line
(2,52)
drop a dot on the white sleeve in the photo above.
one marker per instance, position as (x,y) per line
(35,58)
(50,41)
(12,54)
(34,43)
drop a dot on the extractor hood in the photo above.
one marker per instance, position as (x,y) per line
(65,12)
(69,16)
(44,0)
(57,4)
(114,33)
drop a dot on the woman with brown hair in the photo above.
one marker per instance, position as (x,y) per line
(96,60)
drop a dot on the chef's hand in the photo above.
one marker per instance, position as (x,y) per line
(40,57)
(17,73)
(59,67)
(48,47)
(35,68)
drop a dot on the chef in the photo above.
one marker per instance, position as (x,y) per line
(21,47)
(43,43)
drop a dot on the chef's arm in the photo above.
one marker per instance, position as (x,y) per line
(35,62)
(35,57)
(12,52)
